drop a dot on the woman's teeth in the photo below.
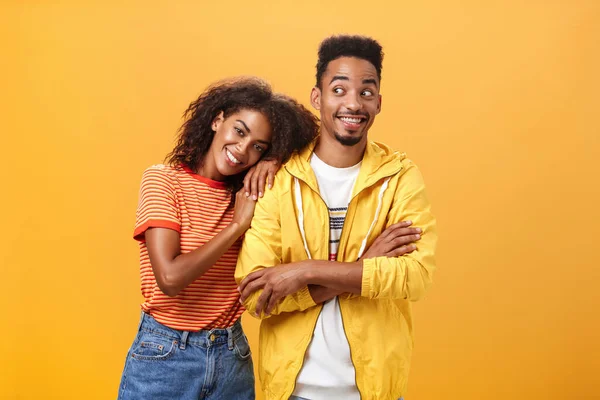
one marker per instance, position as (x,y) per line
(232,158)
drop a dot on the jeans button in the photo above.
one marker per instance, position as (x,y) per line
(212,337)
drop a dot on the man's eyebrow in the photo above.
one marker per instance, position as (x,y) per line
(243,123)
(339,78)
(369,80)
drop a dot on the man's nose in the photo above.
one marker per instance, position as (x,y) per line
(353,102)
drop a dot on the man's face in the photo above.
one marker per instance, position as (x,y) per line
(348,99)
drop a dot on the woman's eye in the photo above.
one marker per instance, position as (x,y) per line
(239,131)
(258,148)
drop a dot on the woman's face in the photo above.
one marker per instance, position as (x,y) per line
(239,142)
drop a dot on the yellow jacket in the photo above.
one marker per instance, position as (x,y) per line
(378,323)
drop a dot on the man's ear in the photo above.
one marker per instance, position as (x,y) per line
(379,105)
(217,121)
(315,98)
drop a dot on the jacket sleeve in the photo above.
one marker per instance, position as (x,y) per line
(407,276)
(261,248)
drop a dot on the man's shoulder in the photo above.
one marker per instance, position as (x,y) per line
(385,152)
(382,160)
(295,164)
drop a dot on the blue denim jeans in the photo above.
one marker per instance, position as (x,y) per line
(165,363)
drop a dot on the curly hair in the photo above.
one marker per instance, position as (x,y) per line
(357,46)
(293,127)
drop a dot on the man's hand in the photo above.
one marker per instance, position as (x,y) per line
(396,240)
(254,181)
(276,283)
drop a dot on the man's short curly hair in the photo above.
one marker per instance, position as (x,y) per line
(357,46)
(293,127)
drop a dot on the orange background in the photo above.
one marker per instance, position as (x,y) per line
(497,102)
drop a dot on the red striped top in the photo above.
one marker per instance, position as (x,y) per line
(198,208)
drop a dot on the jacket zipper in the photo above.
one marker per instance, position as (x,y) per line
(339,305)
(302,363)
(321,305)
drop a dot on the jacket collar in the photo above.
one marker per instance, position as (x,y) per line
(378,162)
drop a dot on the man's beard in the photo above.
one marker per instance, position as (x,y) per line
(347,140)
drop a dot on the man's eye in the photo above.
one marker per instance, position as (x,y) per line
(367,93)
(338,90)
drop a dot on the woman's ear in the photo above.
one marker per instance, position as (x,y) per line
(217,121)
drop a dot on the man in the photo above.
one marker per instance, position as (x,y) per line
(336,320)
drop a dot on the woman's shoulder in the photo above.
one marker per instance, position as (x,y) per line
(162,172)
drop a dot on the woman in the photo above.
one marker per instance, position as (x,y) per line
(190,343)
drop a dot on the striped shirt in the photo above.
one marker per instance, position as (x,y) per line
(198,208)
(337,215)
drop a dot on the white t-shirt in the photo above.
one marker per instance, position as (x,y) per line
(328,372)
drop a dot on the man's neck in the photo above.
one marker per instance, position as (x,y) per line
(335,154)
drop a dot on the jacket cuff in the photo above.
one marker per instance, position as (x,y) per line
(369,265)
(305,300)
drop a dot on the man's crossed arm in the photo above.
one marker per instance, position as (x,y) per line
(325,279)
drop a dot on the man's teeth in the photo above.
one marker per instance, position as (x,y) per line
(351,120)
(232,158)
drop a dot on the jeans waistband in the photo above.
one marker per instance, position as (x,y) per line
(204,338)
